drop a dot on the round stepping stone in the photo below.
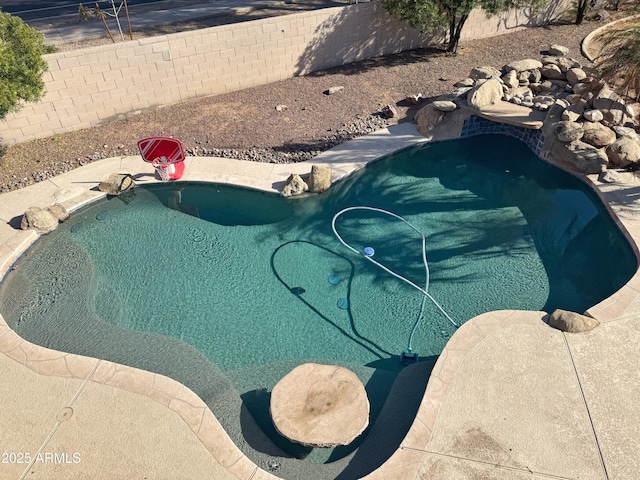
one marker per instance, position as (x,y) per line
(320,406)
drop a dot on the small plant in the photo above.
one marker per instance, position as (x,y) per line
(619,60)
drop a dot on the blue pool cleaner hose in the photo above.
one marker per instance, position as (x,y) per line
(369,252)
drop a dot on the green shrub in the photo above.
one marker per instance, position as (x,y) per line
(21,63)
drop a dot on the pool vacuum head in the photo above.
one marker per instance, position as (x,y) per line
(408,358)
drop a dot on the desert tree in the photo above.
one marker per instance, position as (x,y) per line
(21,63)
(582,7)
(449,15)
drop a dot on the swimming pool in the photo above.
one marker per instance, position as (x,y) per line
(230,300)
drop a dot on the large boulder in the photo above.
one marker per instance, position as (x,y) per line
(445,105)
(428,118)
(522,65)
(568,131)
(319,178)
(597,134)
(43,220)
(571,322)
(558,50)
(552,72)
(59,212)
(626,132)
(389,111)
(566,63)
(611,105)
(116,183)
(489,93)
(465,82)
(295,186)
(510,79)
(624,152)
(485,72)
(544,87)
(580,156)
(534,76)
(614,176)
(575,75)
(573,112)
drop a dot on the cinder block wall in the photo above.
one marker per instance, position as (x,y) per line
(90,86)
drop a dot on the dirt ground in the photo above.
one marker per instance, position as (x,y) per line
(248,119)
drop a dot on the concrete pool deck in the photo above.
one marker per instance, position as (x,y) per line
(509,398)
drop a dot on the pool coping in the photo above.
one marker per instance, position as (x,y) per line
(70,190)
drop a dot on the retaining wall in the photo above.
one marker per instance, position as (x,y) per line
(87,87)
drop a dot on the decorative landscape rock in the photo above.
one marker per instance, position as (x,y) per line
(626,132)
(611,105)
(547,100)
(597,134)
(389,111)
(294,186)
(116,183)
(613,176)
(535,76)
(571,322)
(581,156)
(542,87)
(552,72)
(489,93)
(320,405)
(42,220)
(558,50)
(510,79)
(428,118)
(575,75)
(566,63)
(573,112)
(568,131)
(444,105)
(593,115)
(319,178)
(461,91)
(465,82)
(334,90)
(583,127)
(624,152)
(281,108)
(522,65)
(59,212)
(484,73)
(414,99)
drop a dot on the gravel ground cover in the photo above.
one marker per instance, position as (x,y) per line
(246,124)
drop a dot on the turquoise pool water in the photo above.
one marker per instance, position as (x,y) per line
(226,289)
